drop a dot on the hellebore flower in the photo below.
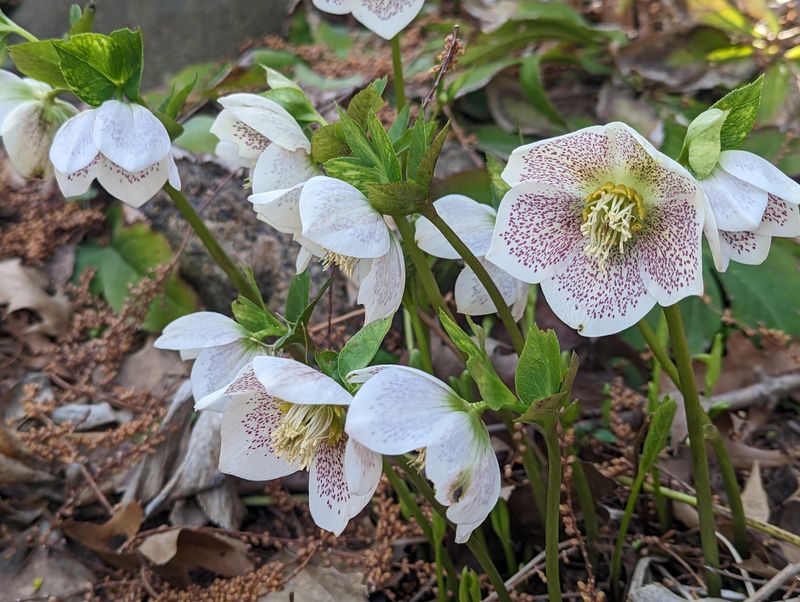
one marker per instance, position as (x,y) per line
(29,119)
(607,224)
(401,409)
(219,346)
(383,17)
(281,416)
(474,224)
(121,144)
(752,201)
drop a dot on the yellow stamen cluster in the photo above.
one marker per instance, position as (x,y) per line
(303,428)
(346,264)
(611,215)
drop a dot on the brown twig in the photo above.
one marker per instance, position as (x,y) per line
(452,47)
(337,320)
(790,572)
(434,326)
(96,489)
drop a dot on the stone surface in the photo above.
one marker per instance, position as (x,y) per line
(177,33)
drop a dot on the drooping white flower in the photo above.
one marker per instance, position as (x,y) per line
(607,224)
(334,221)
(383,17)
(219,346)
(29,119)
(122,145)
(752,201)
(281,416)
(474,224)
(401,409)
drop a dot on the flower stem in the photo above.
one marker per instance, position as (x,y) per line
(694,420)
(480,271)
(426,277)
(474,544)
(219,255)
(397,68)
(552,521)
(533,469)
(586,501)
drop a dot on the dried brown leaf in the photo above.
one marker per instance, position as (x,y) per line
(754,498)
(23,288)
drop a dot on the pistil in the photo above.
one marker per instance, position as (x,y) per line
(346,264)
(612,214)
(303,428)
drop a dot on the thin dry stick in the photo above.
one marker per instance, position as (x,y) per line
(434,326)
(96,489)
(452,47)
(532,566)
(337,320)
(751,590)
(773,585)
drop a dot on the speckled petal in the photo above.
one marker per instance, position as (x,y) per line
(471,296)
(381,291)
(199,330)
(761,173)
(279,208)
(78,182)
(27,136)
(73,148)
(244,382)
(386,17)
(137,188)
(297,383)
(736,204)
(129,135)
(268,118)
(280,169)
(239,144)
(744,247)
(247,449)
(334,7)
(780,218)
(537,229)
(471,220)
(362,468)
(216,367)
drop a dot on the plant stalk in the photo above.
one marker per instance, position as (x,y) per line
(586,501)
(532,467)
(552,523)
(397,69)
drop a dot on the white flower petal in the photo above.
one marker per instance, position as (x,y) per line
(13,91)
(381,291)
(362,468)
(780,218)
(297,383)
(338,217)
(537,228)
(129,135)
(334,7)
(598,301)
(521,302)
(472,298)
(73,148)
(239,143)
(247,450)
(736,204)
(244,382)
(174,178)
(278,169)
(744,247)
(472,221)
(761,173)
(27,136)
(279,208)
(304,258)
(137,188)
(400,409)
(712,235)
(388,17)
(199,330)
(216,367)
(78,182)
(268,118)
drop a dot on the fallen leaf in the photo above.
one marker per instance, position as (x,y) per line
(320,584)
(87,416)
(154,370)
(106,539)
(754,498)
(742,455)
(23,288)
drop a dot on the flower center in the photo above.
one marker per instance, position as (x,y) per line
(345,263)
(303,428)
(611,215)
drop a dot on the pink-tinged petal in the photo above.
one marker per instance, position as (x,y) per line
(671,251)
(216,367)
(297,383)
(472,298)
(598,301)
(78,182)
(239,143)
(134,189)
(338,217)
(386,17)
(334,7)
(780,218)
(279,208)
(736,204)
(362,468)
(199,330)
(279,169)
(247,449)
(464,471)
(381,290)
(538,226)
(329,500)
(244,382)
(472,221)
(761,173)
(268,118)
(129,135)
(73,148)
(399,409)
(578,162)
(745,247)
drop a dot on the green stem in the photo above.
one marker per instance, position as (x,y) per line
(532,466)
(397,68)
(475,546)
(480,271)
(659,352)
(616,559)
(694,420)
(423,342)
(586,501)
(235,275)
(426,277)
(660,502)
(553,513)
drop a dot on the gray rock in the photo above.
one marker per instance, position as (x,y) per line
(177,33)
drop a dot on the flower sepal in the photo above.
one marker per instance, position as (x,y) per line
(256,319)
(398,198)
(702,146)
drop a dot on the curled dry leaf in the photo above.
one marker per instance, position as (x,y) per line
(754,498)
(322,584)
(23,288)
(106,539)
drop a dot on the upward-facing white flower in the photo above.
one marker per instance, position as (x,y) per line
(384,17)
(281,416)
(121,144)
(29,119)
(401,409)
(474,224)
(752,201)
(607,224)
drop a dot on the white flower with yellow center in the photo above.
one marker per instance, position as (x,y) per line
(400,409)
(383,17)
(752,201)
(474,224)
(281,416)
(29,119)
(607,224)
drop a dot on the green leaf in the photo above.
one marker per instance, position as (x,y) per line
(255,318)
(128,60)
(497,185)
(196,137)
(387,156)
(538,374)
(297,297)
(296,103)
(353,171)
(38,60)
(714,365)
(327,361)
(702,142)
(365,102)
(531,81)
(357,140)
(428,163)
(418,144)
(400,124)
(328,143)
(84,21)
(657,435)
(397,198)
(742,106)
(276,79)
(358,352)
(86,63)
(173,104)
(776,91)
